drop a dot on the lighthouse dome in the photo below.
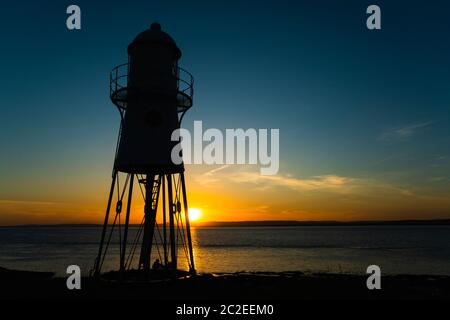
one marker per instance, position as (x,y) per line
(154,35)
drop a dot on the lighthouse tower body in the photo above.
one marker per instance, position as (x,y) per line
(152,115)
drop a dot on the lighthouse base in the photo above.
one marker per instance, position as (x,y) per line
(161,242)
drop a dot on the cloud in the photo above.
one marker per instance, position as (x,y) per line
(30,202)
(210,176)
(248,175)
(30,211)
(403,133)
(324,182)
(211,172)
(438,179)
(329,183)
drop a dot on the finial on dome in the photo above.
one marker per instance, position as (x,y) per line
(155,26)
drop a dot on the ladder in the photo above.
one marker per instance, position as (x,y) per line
(152,189)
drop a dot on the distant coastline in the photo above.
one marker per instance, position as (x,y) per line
(293,223)
(269,223)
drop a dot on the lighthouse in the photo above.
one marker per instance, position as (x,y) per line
(152,94)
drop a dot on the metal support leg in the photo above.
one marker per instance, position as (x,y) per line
(127,221)
(188,225)
(97,268)
(149,223)
(164,220)
(173,246)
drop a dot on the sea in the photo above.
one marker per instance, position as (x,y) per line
(313,249)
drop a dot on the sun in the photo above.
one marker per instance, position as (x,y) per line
(195,214)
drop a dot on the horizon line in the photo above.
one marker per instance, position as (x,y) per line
(264,223)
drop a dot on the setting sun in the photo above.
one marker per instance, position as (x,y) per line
(195,214)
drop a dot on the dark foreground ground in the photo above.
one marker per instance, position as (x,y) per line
(237,286)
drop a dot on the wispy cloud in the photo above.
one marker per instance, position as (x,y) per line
(438,179)
(14,212)
(211,172)
(324,182)
(26,202)
(328,183)
(403,133)
(210,176)
(246,175)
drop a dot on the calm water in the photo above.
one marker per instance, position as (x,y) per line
(396,249)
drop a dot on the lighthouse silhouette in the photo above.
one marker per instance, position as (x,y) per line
(152,94)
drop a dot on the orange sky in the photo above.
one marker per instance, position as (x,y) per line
(227,193)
